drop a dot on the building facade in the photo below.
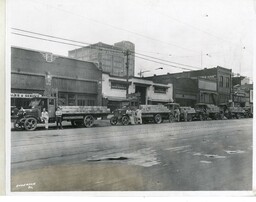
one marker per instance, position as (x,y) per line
(35,73)
(211,86)
(112,58)
(114,91)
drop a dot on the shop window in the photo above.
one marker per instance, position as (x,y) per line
(62,100)
(81,102)
(71,99)
(158,89)
(91,102)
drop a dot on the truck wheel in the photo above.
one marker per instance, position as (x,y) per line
(189,117)
(125,120)
(113,120)
(88,121)
(171,118)
(76,123)
(19,124)
(30,124)
(158,118)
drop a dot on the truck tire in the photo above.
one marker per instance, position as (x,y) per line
(171,118)
(30,124)
(125,120)
(158,118)
(76,123)
(19,124)
(189,117)
(88,121)
(113,120)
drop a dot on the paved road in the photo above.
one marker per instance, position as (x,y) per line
(208,155)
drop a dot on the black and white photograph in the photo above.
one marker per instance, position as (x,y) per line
(136,96)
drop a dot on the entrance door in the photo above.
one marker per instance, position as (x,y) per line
(142,91)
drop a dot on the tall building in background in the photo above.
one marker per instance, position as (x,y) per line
(111,58)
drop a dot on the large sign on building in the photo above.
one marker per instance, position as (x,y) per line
(23,95)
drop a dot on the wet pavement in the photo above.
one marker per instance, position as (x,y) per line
(208,155)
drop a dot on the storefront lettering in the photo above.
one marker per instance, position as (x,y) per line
(22,95)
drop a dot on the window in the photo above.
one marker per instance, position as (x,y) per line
(221,81)
(62,100)
(91,102)
(227,82)
(51,101)
(159,89)
(71,99)
(81,102)
(116,85)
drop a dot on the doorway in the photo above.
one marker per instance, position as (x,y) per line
(142,90)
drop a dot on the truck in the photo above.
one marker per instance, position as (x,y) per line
(172,106)
(230,112)
(206,111)
(150,113)
(78,115)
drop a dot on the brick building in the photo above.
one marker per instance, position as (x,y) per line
(75,82)
(211,86)
(111,58)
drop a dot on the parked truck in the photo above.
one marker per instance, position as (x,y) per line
(230,112)
(78,115)
(150,113)
(191,113)
(206,111)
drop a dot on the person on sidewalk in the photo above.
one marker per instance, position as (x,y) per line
(45,118)
(58,114)
(139,116)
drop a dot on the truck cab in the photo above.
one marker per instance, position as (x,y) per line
(29,117)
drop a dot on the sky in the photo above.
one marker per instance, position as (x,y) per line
(197,33)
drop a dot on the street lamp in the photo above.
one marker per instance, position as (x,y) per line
(141,72)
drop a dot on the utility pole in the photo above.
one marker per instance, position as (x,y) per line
(127,53)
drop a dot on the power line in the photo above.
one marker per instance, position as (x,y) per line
(90,45)
(167,61)
(118,28)
(162,63)
(80,46)
(44,39)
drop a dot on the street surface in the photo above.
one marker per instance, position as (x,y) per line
(185,156)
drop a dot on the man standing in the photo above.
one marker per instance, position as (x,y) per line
(138,115)
(58,114)
(185,115)
(177,114)
(45,118)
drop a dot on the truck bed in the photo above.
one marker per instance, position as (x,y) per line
(80,110)
(154,109)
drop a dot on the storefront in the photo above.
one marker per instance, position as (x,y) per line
(73,82)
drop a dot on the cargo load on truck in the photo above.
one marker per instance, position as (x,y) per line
(78,115)
(150,113)
(230,112)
